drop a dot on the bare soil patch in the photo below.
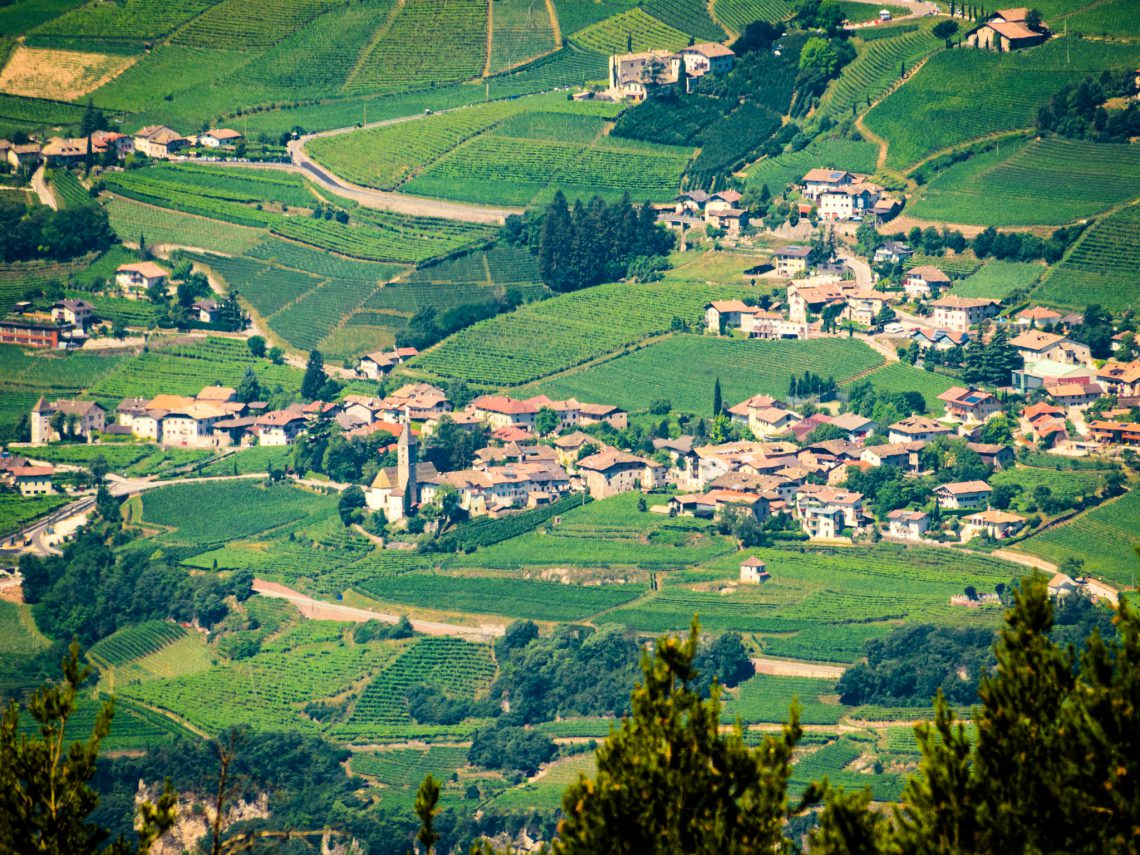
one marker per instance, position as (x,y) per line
(62,75)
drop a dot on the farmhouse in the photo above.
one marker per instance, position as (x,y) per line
(960,313)
(159,141)
(992,454)
(724,315)
(963,494)
(924,281)
(997,524)
(819,180)
(491,491)
(1008,29)
(280,427)
(917,429)
(1078,395)
(192,424)
(24,155)
(709,504)
(908,525)
(1035,345)
(1120,378)
(77,313)
(609,473)
(804,301)
(637,76)
(825,512)
(376,365)
(414,402)
(77,418)
(206,310)
(1045,422)
(863,307)
(59,151)
(568,447)
(848,201)
(731,220)
(501,411)
(33,480)
(969,405)
(857,427)
(753,571)
(219,137)
(892,252)
(1038,316)
(136,279)
(792,260)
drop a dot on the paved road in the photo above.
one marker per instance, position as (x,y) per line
(321,610)
(915,9)
(40,186)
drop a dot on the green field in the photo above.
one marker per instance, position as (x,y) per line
(964,94)
(574,328)
(136,459)
(999,279)
(406,767)
(1071,484)
(683,370)
(738,14)
(900,377)
(786,169)
(162,226)
(521,32)
(822,604)
(545,793)
(635,27)
(1045,181)
(18,633)
(767,699)
(1100,267)
(1104,537)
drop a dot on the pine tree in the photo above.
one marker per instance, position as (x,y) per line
(315,377)
(554,244)
(718,403)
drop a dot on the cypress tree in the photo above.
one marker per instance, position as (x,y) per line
(718,403)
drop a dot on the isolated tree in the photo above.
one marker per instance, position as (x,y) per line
(256,345)
(315,377)
(45,800)
(718,402)
(545,421)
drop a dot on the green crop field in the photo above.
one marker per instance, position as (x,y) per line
(1100,267)
(67,190)
(225,510)
(183,369)
(1046,181)
(767,699)
(521,32)
(965,94)
(1071,484)
(401,57)
(233,24)
(786,169)
(999,279)
(16,511)
(1114,18)
(18,633)
(840,761)
(1104,537)
(683,370)
(574,15)
(900,377)
(545,793)
(510,597)
(126,458)
(131,22)
(161,226)
(406,767)
(822,604)
(135,642)
(574,328)
(689,17)
(633,30)
(738,14)
(296,256)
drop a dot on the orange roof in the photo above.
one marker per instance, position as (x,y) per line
(144,268)
(1012,31)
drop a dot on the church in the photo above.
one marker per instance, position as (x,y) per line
(396,489)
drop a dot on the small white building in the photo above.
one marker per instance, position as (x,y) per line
(753,571)
(136,279)
(908,525)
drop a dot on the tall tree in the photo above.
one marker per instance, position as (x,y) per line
(718,401)
(315,378)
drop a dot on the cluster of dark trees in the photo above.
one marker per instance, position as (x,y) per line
(427,326)
(992,362)
(510,747)
(1079,110)
(451,447)
(428,705)
(30,232)
(177,312)
(355,461)
(811,385)
(92,590)
(588,244)
(1023,246)
(821,59)
(1096,330)
(884,407)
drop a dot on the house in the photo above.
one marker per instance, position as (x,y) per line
(593,414)
(1079,395)
(219,137)
(1038,316)
(892,252)
(803,428)
(1120,378)
(33,480)
(692,201)
(753,571)
(80,418)
(78,313)
(992,454)
(415,402)
(192,424)
(113,141)
(1115,433)
(609,473)
(952,312)
(378,364)
(917,429)
(848,202)
(940,339)
(863,307)
(819,180)
(924,281)
(805,302)
(159,141)
(724,315)
(568,447)
(792,260)
(772,421)
(825,512)
(25,155)
(705,58)
(963,494)
(708,505)
(731,220)
(62,152)
(772,326)
(207,310)
(997,524)
(491,491)
(908,525)
(1035,345)
(637,76)
(969,405)
(29,334)
(857,427)
(890,454)
(1006,30)
(281,427)
(137,279)
(1045,422)
(1045,372)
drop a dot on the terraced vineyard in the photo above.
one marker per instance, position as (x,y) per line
(999,279)
(67,190)
(876,68)
(788,168)
(767,699)
(1045,181)
(233,24)
(522,31)
(689,17)
(403,57)
(633,30)
(129,24)
(1103,537)
(18,633)
(900,377)
(683,370)
(24,377)
(738,14)
(303,258)
(164,227)
(962,95)
(406,767)
(134,642)
(516,598)
(1101,266)
(500,352)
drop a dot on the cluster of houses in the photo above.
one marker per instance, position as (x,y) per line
(155,141)
(696,208)
(839,195)
(651,73)
(64,326)
(24,476)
